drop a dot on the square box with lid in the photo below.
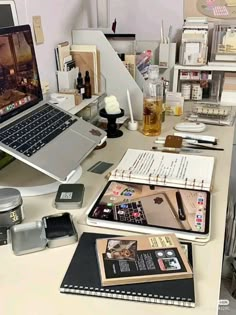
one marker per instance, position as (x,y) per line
(52,231)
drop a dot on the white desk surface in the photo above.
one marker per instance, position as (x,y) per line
(29,284)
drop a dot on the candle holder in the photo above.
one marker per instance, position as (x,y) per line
(112,130)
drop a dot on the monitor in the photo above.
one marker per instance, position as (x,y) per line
(8,14)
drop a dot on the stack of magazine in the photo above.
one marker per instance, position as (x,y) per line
(146,268)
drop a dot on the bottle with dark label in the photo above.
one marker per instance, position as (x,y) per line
(80,84)
(87,86)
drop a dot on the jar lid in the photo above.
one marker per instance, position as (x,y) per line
(10,198)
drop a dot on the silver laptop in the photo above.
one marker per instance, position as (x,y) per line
(39,134)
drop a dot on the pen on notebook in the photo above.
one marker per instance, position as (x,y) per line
(192,144)
(175,150)
(189,141)
(204,147)
(210,139)
(181,212)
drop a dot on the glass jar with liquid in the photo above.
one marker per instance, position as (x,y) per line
(152,104)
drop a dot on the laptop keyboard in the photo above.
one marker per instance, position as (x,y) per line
(131,212)
(29,134)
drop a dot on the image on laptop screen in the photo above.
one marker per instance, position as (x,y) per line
(19,79)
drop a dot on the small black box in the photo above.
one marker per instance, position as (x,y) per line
(69,196)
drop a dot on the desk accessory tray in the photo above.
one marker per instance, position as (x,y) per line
(212,114)
(52,231)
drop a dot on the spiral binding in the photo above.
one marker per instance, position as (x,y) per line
(193,183)
(186,182)
(127,295)
(165,180)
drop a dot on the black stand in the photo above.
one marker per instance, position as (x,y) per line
(112,131)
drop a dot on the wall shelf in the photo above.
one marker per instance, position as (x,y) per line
(217,77)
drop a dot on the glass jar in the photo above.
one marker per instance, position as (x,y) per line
(152,103)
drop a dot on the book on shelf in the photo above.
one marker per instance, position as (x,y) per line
(229,89)
(82,278)
(168,169)
(62,51)
(141,258)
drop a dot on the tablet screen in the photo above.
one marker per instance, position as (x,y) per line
(156,206)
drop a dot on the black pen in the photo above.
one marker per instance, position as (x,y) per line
(203,147)
(181,212)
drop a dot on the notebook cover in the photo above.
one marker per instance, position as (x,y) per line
(82,277)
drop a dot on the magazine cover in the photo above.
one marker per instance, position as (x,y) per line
(142,258)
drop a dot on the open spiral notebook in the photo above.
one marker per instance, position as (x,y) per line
(163,168)
(157,192)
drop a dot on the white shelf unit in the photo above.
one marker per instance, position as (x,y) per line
(213,68)
(77,108)
(118,79)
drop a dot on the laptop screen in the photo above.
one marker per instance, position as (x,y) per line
(19,78)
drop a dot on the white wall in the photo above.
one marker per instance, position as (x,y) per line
(144,17)
(59,17)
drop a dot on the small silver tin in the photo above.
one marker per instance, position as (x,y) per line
(11,208)
(32,237)
(28,237)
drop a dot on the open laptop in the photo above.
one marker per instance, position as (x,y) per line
(39,134)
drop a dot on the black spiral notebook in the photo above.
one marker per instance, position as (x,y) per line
(82,278)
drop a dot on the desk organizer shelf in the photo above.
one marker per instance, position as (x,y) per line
(118,79)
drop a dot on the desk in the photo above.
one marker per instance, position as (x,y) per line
(29,284)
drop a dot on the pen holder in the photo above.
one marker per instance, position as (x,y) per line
(112,131)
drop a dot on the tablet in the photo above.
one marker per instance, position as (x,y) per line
(148,209)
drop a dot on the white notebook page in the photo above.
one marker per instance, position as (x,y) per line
(179,169)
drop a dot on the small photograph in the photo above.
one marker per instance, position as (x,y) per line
(121,249)
(167,264)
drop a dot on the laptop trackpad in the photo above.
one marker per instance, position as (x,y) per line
(77,143)
(65,153)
